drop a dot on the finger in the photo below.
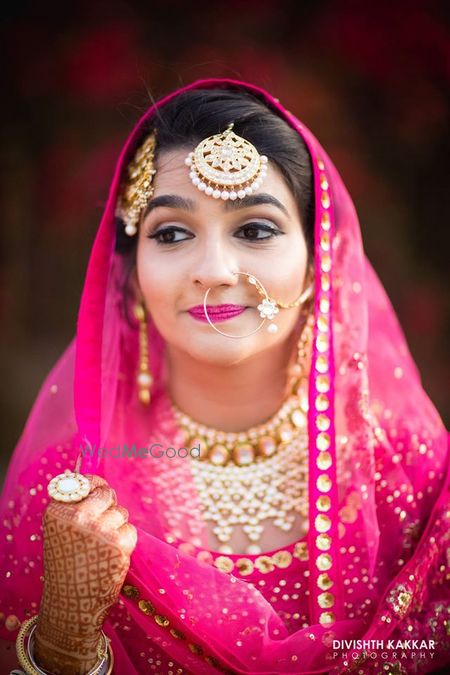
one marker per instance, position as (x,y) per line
(112,519)
(127,538)
(97,502)
(95,480)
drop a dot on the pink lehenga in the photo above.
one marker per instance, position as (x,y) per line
(374,565)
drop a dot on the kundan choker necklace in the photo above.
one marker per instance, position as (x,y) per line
(242,448)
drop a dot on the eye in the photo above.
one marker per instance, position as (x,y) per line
(167,235)
(252,230)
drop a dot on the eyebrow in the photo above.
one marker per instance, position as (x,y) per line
(186,204)
(170,202)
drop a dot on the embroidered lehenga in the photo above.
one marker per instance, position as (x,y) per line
(373,561)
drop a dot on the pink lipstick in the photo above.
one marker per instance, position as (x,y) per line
(216,312)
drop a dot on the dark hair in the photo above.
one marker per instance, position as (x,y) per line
(195,114)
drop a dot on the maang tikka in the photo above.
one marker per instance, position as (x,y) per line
(226,166)
(138,188)
(223,166)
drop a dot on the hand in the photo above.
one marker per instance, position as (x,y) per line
(87,548)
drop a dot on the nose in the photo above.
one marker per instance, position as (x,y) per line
(214,268)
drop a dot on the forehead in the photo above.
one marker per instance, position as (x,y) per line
(172,177)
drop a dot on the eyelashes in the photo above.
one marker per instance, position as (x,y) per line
(259,227)
(164,236)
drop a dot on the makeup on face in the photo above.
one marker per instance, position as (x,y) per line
(190,243)
(217,312)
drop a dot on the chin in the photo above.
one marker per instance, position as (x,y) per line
(218,350)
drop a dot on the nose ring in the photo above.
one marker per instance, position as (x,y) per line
(267,308)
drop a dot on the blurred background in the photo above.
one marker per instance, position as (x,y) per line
(369,79)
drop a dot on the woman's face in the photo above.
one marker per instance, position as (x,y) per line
(189,242)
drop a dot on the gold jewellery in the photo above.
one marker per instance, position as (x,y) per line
(144,377)
(69,486)
(268,308)
(226,166)
(244,497)
(25,655)
(245,480)
(138,189)
(223,166)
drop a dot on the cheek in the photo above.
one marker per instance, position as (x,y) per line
(155,282)
(288,271)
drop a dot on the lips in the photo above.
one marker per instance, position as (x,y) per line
(216,312)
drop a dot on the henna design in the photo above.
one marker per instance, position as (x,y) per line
(87,548)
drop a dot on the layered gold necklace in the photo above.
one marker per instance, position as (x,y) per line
(246,478)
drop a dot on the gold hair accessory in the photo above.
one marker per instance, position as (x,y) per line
(226,166)
(138,189)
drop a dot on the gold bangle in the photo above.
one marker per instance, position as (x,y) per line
(22,655)
(111,657)
(103,651)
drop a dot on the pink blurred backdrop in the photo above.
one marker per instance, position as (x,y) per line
(369,79)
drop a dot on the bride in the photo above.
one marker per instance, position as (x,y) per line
(233,467)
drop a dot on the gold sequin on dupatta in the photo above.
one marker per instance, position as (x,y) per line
(323,461)
(244,566)
(147,608)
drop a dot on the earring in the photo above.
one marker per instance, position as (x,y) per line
(298,369)
(144,378)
